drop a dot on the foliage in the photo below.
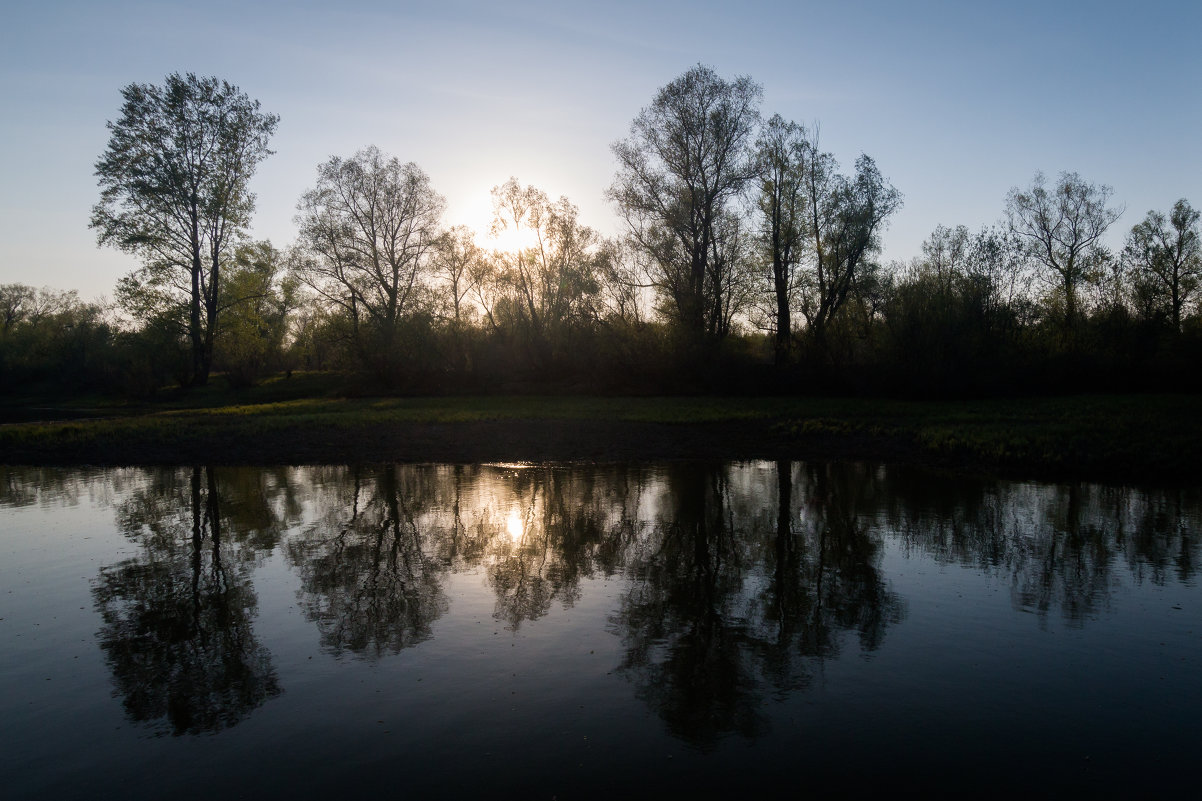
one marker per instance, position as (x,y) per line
(1061,228)
(49,337)
(174,192)
(368,232)
(749,265)
(254,326)
(1166,256)
(684,165)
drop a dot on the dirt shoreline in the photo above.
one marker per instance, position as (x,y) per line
(556,440)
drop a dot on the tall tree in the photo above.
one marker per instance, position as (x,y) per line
(845,219)
(174,190)
(369,229)
(1166,254)
(782,151)
(552,271)
(1062,227)
(686,160)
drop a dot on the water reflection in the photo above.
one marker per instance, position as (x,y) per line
(563,525)
(1062,548)
(177,631)
(367,579)
(735,582)
(733,596)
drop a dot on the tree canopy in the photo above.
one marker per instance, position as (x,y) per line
(680,171)
(174,184)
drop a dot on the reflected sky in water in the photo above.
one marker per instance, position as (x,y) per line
(576,631)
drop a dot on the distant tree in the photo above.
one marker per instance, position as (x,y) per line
(174,190)
(552,273)
(455,263)
(951,314)
(368,231)
(846,216)
(1166,255)
(15,300)
(21,304)
(782,151)
(458,265)
(1061,228)
(686,160)
(261,295)
(51,336)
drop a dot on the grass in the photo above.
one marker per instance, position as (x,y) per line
(1127,437)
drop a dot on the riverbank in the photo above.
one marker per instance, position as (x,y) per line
(1126,438)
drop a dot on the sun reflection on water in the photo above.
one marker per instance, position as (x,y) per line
(515,527)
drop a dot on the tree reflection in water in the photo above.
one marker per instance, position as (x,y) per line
(177,630)
(738,580)
(731,601)
(564,525)
(1062,548)
(367,579)
(373,562)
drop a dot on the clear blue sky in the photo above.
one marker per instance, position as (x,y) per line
(956,101)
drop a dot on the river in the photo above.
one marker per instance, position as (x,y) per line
(665,630)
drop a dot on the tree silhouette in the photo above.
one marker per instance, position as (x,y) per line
(1061,229)
(686,160)
(174,190)
(1166,254)
(369,231)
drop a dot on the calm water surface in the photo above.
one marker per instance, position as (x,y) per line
(563,631)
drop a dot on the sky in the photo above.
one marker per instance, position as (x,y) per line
(957,102)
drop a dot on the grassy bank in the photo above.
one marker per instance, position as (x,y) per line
(1121,437)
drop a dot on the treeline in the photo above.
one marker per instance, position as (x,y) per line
(750,262)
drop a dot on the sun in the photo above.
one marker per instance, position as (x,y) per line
(478,215)
(508,240)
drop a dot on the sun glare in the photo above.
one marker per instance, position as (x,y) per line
(508,240)
(478,215)
(514,526)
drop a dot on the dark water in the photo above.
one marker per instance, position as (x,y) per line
(661,631)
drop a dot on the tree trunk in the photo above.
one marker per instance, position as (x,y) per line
(784,326)
(200,370)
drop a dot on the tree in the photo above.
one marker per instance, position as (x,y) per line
(260,299)
(1166,255)
(1062,228)
(456,258)
(846,216)
(552,274)
(686,160)
(53,336)
(174,190)
(369,229)
(458,262)
(951,314)
(782,151)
